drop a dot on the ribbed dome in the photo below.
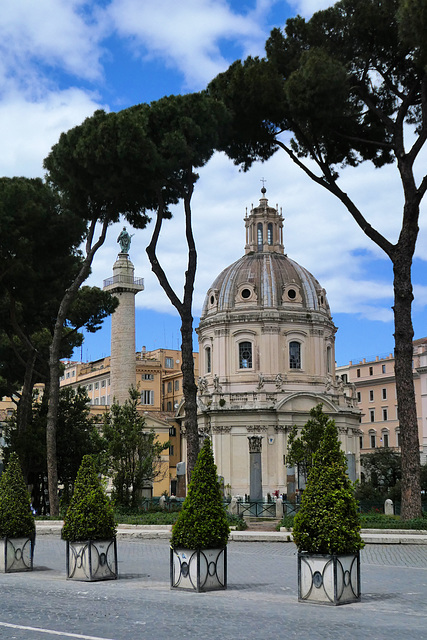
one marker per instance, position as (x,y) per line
(265,281)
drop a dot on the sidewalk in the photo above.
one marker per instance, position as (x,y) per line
(129,532)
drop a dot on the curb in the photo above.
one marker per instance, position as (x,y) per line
(147,531)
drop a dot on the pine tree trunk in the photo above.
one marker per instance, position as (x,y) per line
(190,391)
(407,411)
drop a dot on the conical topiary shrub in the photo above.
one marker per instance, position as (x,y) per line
(16,518)
(202,522)
(200,534)
(90,529)
(90,515)
(328,520)
(327,529)
(17,526)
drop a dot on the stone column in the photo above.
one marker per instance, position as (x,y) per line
(255,469)
(124,286)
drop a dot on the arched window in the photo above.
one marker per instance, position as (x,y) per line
(259,236)
(270,234)
(208,361)
(245,355)
(294,355)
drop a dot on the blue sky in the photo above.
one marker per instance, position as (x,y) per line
(62,59)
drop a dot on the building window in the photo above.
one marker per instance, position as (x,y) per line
(358,373)
(171,450)
(103,384)
(147,397)
(384,394)
(361,442)
(398,438)
(169,387)
(270,233)
(385,415)
(294,355)
(259,236)
(96,385)
(245,355)
(371,371)
(172,431)
(359,396)
(386,442)
(96,400)
(169,406)
(208,359)
(371,395)
(372,439)
(372,415)
(169,363)
(344,378)
(148,376)
(102,399)
(90,387)
(176,385)
(383,368)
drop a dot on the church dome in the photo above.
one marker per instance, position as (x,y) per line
(265,278)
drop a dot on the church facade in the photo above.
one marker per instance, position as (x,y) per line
(266,357)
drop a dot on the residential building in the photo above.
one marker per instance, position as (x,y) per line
(375,388)
(159,382)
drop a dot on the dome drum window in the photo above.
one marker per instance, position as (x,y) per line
(245,355)
(246,293)
(208,360)
(291,293)
(212,299)
(294,355)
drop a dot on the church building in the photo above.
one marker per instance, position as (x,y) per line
(266,357)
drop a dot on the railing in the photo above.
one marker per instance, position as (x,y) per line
(122,279)
(256,509)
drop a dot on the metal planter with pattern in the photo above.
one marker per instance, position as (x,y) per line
(329,579)
(92,560)
(16,554)
(198,569)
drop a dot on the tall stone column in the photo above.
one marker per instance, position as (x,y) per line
(255,470)
(124,286)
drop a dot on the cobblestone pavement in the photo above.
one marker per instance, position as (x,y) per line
(260,602)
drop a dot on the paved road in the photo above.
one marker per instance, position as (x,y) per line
(260,602)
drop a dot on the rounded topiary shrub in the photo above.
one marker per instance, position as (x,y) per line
(90,515)
(16,518)
(328,521)
(202,522)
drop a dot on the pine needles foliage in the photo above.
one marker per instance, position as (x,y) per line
(90,515)
(328,521)
(202,522)
(16,518)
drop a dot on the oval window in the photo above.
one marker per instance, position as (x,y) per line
(246,293)
(212,299)
(292,294)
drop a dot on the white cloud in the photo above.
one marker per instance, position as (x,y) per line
(186,35)
(59,33)
(29,129)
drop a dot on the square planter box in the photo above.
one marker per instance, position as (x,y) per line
(329,579)
(16,554)
(92,560)
(199,570)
